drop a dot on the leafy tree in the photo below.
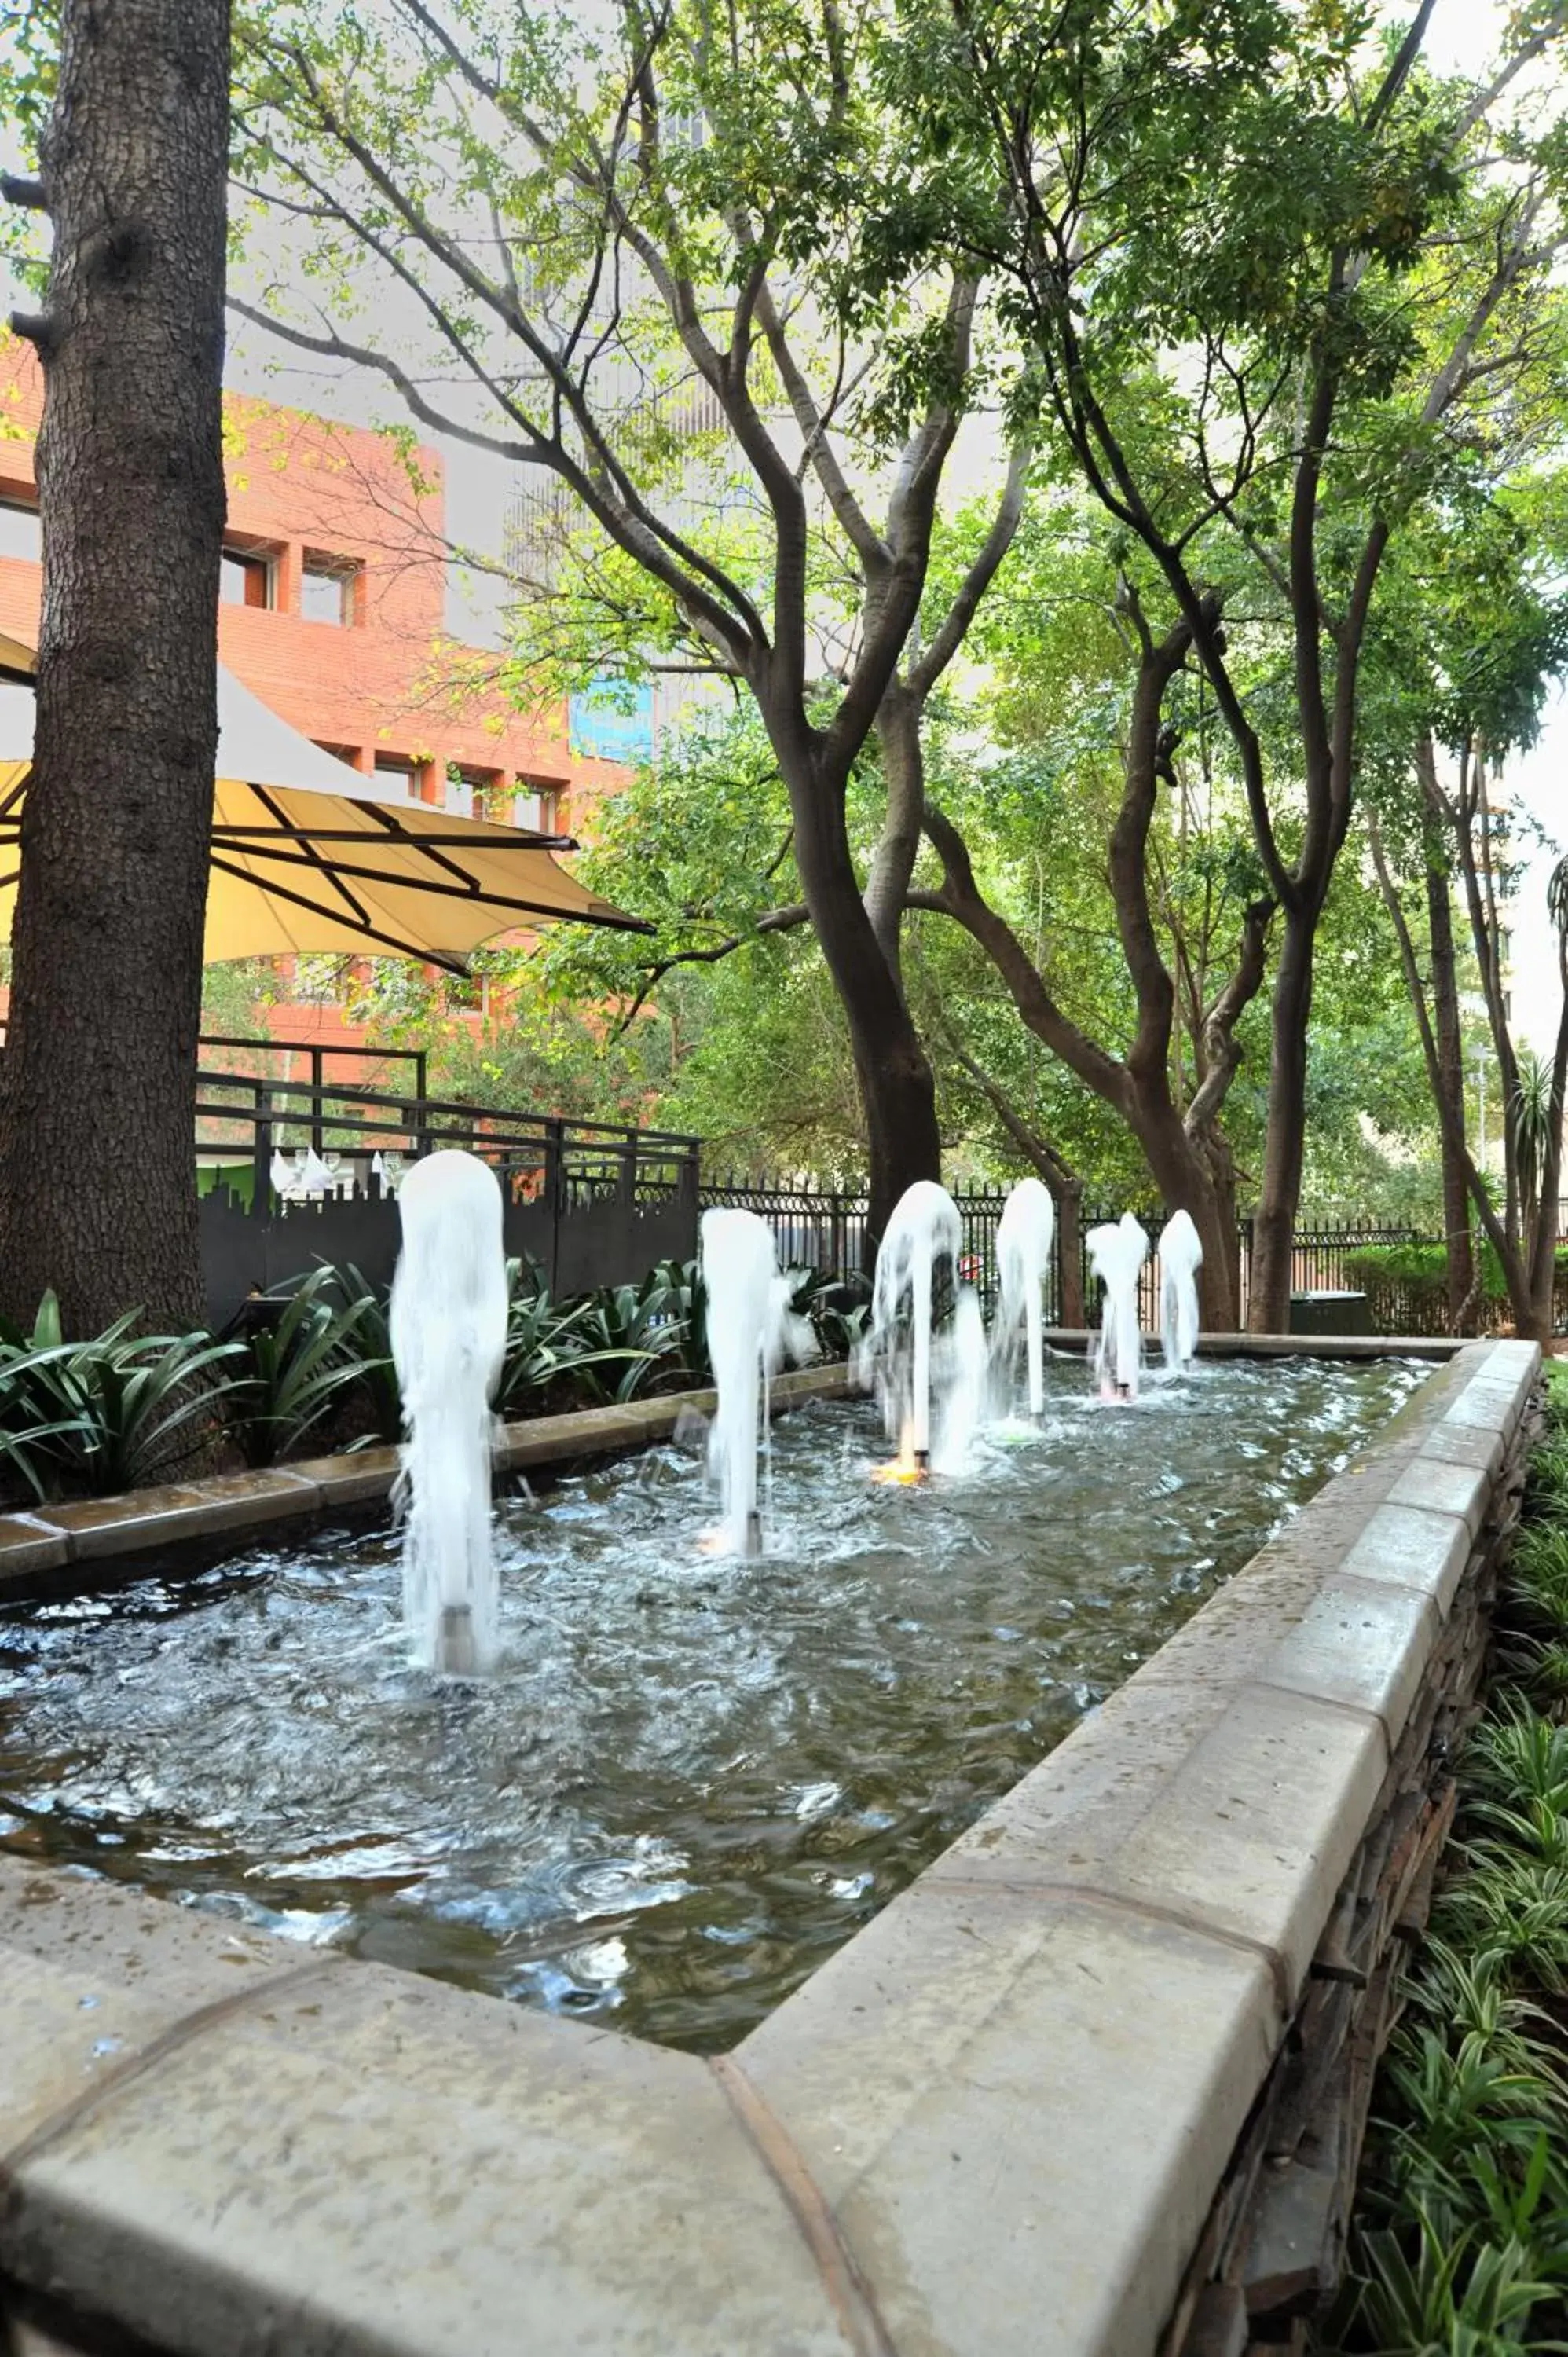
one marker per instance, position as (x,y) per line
(1273,305)
(635,254)
(1473,633)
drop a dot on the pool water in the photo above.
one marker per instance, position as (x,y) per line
(690,1778)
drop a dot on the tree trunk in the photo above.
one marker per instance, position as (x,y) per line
(898,721)
(1186,1184)
(1451,1087)
(896,1087)
(1069,1247)
(1274,1227)
(98,1080)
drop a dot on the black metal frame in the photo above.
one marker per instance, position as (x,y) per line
(593,1202)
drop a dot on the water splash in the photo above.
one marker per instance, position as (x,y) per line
(1180,1254)
(925,1227)
(1116,1254)
(750,1332)
(449,1338)
(961,1385)
(1023,1263)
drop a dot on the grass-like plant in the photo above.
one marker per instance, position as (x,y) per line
(1462,2241)
(91,1419)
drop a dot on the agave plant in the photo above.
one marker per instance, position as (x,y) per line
(1456,2295)
(93,1418)
(376,1376)
(296,1367)
(1530,1117)
(549,1341)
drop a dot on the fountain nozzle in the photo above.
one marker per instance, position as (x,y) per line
(455,1654)
(753,1533)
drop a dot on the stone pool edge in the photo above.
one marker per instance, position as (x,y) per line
(1029,2107)
(50,1549)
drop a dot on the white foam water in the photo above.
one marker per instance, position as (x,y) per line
(1024,1238)
(1180,1255)
(1117,1251)
(448,1325)
(750,1332)
(924,1226)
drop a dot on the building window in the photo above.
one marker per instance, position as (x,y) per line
(20,535)
(399,766)
(245,578)
(348,753)
(541,806)
(475,793)
(328,589)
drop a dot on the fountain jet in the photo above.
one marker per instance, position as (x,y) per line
(1023,1261)
(924,1226)
(751,1331)
(1180,1254)
(1116,1254)
(448,1339)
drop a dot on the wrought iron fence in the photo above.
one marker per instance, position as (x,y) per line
(826,1230)
(298,1170)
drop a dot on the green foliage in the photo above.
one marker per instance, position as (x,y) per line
(1407,1284)
(1468,2167)
(95,1419)
(294,1368)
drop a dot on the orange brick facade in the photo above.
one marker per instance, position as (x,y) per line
(311,501)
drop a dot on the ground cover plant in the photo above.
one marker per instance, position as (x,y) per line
(1461,2244)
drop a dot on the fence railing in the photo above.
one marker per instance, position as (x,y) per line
(295,1170)
(826,1230)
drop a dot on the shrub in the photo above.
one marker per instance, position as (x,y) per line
(90,1419)
(1407,1286)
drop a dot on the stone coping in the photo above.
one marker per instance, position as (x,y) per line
(51,1549)
(1075,1339)
(990,2125)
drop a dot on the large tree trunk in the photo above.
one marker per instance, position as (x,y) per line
(897,1086)
(1274,1227)
(898,721)
(1451,1090)
(98,1080)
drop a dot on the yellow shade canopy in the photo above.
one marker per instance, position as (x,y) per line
(311,857)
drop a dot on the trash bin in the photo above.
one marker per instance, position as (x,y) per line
(1330,1313)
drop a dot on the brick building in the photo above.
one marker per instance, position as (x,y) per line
(334,611)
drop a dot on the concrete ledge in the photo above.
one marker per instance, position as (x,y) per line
(1075,1339)
(100,1534)
(1027,2109)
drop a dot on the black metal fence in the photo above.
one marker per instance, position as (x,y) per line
(296,1171)
(826,1230)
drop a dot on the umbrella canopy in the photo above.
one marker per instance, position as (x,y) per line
(311,856)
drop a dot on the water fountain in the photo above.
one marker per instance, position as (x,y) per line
(449,1338)
(1117,1251)
(1180,1254)
(1023,1263)
(959,1368)
(751,1331)
(924,1226)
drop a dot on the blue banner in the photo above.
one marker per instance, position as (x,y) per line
(612,721)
